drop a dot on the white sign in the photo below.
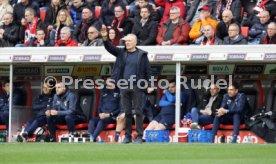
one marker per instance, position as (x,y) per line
(107,57)
(181,57)
(73,58)
(225,69)
(39,58)
(218,56)
(5,58)
(254,56)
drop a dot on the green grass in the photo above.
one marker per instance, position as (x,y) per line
(51,153)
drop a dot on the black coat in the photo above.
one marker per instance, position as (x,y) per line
(143,65)
(222,29)
(147,34)
(78,29)
(10,35)
(107,13)
(136,13)
(19,11)
(126,24)
(205,100)
(51,14)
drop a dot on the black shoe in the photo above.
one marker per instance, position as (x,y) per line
(19,138)
(116,138)
(25,135)
(126,140)
(139,140)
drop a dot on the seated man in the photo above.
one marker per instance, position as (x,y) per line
(145,28)
(18,99)
(166,118)
(209,37)
(66,39)
(108,110)
(231,111)
(40,105)
(270,37)
(234,37)
(196,32)
(147,114)
(258,30)
(174,31)
(64,111)
(205,112)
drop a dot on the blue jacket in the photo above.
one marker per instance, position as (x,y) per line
(236,104)
(110,102)
(143,65)
(257,31)
(66,104)
(167,102)
(40,104)
(18,99)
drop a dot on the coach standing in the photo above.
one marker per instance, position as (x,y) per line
(130,61)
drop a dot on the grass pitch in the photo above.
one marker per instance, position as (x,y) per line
(59,153)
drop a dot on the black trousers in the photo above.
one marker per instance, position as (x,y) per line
(133,99)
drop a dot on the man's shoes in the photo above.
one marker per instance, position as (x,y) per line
(194,125)
(19,138)
(139,140)
(25,135)
(126,140)
(116,137)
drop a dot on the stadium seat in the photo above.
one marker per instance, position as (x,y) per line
(3,127)
(42,14)
(98,11)
(244,31)
(127,10)
(271,98)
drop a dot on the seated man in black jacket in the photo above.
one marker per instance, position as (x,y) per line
(8,31)
(40,105)
(64,110)
(109,108)
(205,112)
(145,28)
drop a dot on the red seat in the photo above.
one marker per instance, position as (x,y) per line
(127,10)
(42,15)
(244,31)
(3,127)
(78,126)
(110,127)
(231,127)
(207,127)
(98,11)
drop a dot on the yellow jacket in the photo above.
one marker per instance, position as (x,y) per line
(195,31)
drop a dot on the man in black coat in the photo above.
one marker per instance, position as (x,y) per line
(222,27)
(205,112)
(137,10)
(130,62)
(19,10)
(145,29)
(80,32)
(121,22)
(8,31)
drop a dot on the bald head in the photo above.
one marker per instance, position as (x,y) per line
(264,17)
(227,16)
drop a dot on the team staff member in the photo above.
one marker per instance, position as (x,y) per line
(64,110)
(130,61)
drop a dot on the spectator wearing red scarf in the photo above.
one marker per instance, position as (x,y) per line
(209,36)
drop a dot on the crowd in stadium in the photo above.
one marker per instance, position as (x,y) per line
(35,23)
